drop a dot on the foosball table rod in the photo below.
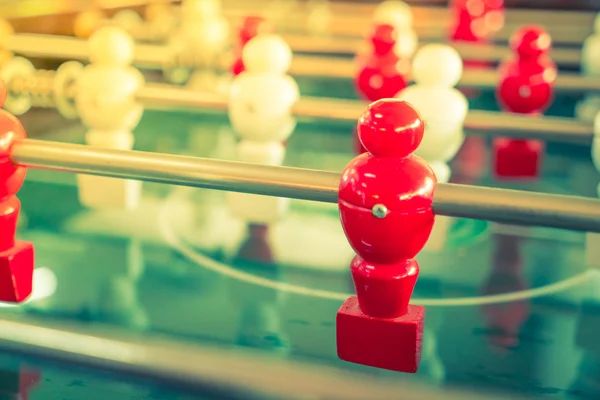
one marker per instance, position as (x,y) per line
(499,205)
(485,123)
(157,57)
(40,88)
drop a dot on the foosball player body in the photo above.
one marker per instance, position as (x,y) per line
(16,256)
(525,87)
(385,202)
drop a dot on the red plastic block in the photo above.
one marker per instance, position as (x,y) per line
(16,272)
(517,158)
(393,344)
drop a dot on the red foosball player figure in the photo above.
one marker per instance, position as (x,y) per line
(16,256)
(381,71)
(474,21)
(526,87)
(385,202)
(252,26)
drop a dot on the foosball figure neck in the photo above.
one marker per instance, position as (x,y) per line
(385,202)
(16,257)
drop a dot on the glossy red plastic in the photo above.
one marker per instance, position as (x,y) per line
(381,76)
(526,86)
(531,42)
(238,66)
(394,344)
(383,39)
(11,176)
(516,158)
(390,128)
(476,20)
(385,203)
(9,214)
(384,291)
(495,15)
(390,178)
(398,236)
(405,187)
(251,27)
(469,21)
(16,272)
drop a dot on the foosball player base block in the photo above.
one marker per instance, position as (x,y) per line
(16,272)
(517,159)
(392,344)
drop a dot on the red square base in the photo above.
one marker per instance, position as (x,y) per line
(393,344)
(16,272)
(517,158)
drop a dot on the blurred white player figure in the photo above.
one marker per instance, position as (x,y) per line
(437,68)
(198,42)
(319,17)
(106,103)
(592,245)
(587,109)
(399,15)
(260,112)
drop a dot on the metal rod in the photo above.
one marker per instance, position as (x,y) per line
(565,57)
(487,123)
(506,206)
(353,19)
(200,369)
(154,57)
(557,129)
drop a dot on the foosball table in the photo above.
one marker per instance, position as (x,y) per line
(299,199)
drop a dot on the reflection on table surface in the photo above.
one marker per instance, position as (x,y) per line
(181,266)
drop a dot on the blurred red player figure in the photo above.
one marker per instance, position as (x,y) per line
(16,256)
(525,87)
(251,27)
(474,21)
(381,72)
(385,202)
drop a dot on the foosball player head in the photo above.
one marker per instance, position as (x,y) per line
(385,202)
(16,257)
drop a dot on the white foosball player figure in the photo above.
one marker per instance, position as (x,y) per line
(592,241)
(260,112)
(198,43)
(399,15)
(106,102)
(437,68)
(587,108)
